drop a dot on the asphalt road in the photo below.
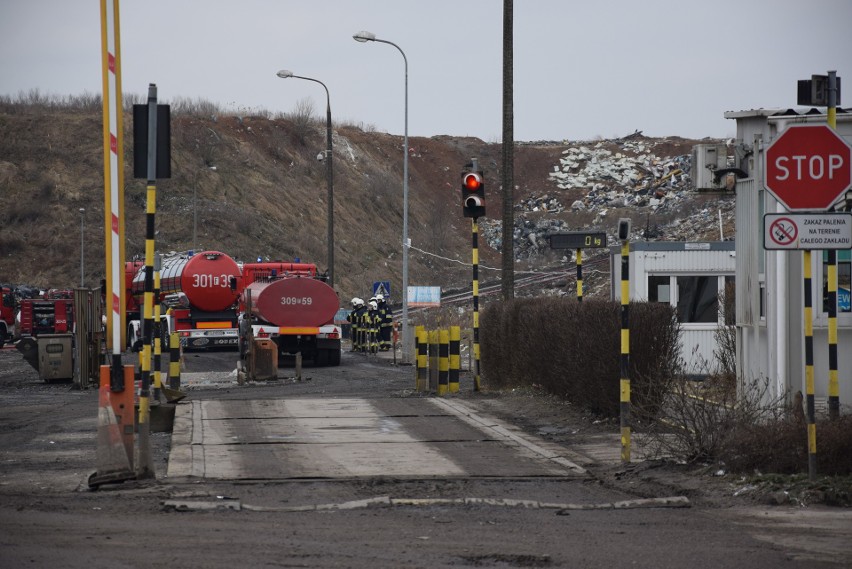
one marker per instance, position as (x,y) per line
(507,514)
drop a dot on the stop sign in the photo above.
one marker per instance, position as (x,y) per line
(808,167)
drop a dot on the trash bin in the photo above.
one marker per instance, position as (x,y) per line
(264,364)
(55,356)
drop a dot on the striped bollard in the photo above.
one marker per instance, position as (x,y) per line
(443,362)
(174,360)
(455,358)
(421,379)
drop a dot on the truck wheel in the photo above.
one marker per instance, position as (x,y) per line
(334,359)
(321,358)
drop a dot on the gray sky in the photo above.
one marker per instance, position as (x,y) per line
(582,69)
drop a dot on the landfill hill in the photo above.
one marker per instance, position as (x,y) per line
(253,187)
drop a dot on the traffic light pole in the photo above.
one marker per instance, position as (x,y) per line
(579,261)
(473,206)
(475,264)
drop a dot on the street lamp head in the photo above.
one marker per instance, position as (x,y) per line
(82,210)
(363,36)
(285,73)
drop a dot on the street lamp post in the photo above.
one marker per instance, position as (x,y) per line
(406,332)
(329,171)
(82,249)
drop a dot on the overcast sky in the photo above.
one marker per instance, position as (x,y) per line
(582,69)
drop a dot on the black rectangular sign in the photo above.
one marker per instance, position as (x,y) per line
(578,240)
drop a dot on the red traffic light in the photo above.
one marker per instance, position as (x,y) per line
(472,182)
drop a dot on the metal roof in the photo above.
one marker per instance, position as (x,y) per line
(678,246)
(782,112)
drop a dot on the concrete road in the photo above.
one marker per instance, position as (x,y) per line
(273,439)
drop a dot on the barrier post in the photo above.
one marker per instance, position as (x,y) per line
(115,446)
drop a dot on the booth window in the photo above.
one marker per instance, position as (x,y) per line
(698,299)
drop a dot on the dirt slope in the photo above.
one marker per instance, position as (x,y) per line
(258,190)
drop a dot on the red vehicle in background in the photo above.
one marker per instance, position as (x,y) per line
(52,314)
(295,307)
(7,315)
(201,291)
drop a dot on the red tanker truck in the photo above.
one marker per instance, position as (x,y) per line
(201,291)
(294,307)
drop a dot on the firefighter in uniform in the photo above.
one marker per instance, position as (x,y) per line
(373,323)
(385,323)
(354,318)
(363,327)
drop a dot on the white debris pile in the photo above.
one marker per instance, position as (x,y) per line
(624,175)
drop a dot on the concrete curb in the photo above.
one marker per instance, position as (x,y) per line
(386,501)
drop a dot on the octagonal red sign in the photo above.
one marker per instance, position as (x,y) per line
(808,167)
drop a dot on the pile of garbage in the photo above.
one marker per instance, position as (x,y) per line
(622,170)
(604,178)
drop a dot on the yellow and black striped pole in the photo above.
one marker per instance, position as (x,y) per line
(624,400)
(174,360)
(144,468)
(455,358)
(158,348)
(475,232)
(833,385)
(579,275)
(809,368)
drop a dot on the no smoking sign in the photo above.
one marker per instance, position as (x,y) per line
(807,231)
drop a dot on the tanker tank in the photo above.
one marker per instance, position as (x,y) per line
(205,279)
(293,302)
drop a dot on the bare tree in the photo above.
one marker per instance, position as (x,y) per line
(302,117)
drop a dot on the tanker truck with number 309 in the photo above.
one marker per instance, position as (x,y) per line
(294,307)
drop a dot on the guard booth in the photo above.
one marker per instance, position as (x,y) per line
(694,278)
(770,292)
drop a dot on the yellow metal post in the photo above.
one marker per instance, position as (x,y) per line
(809,367)
(625,352)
